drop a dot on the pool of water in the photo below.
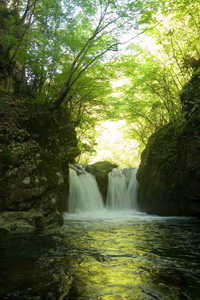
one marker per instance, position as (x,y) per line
(104,256)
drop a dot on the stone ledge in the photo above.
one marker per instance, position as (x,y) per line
(21,222)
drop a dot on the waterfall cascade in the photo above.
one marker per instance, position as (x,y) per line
(132,190)
(84,195)
(120,195)
(116,196)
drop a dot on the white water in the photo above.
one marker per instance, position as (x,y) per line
(84,195)
(120,197)
(133,190)
(117,196)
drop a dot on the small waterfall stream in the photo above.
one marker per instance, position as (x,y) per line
(84,195)
(133,190)
(120,196)
(117,191)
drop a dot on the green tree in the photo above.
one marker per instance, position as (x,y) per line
(151,98)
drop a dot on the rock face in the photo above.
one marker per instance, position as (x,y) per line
(169,173)
(34,157)
(100,170)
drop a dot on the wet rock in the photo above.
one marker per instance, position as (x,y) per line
(54,218)
(21,222)
(100,170)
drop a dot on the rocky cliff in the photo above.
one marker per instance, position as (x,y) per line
(169,173)
(35,149)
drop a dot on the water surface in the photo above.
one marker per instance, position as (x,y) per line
(104,256)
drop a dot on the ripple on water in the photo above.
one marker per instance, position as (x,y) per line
(108,256)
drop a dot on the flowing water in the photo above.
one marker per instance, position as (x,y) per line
(122,196)
(84,195)
(117,191)
(132,190)
(104,254)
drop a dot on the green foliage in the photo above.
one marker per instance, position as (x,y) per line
(65,53)
(190,96)
(155,76)
(5,157)
(165,138)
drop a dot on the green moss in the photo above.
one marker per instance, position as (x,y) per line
(49,165)
(3,137)
(162,154)
(190,97)
(102,167)
(164,143)
(5,157)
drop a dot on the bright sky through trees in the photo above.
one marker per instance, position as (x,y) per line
(114,145)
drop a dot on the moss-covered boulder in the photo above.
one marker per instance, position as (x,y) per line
(169,173)
(21,222)
(100,170)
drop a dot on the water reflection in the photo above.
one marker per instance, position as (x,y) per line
(105,259)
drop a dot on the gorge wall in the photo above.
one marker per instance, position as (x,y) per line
(35,150)
(169,173)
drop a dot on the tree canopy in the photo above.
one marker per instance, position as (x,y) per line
(158,69)
(69,53)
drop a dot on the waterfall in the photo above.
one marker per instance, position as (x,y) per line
(133,190)
(116,196)
(119,196)
(84,195)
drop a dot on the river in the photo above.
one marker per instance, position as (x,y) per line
(104,256)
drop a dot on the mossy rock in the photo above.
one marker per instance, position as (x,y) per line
(190,97)
(6,157)
(168,173)
(34,163)
(100,170)
(101,167)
